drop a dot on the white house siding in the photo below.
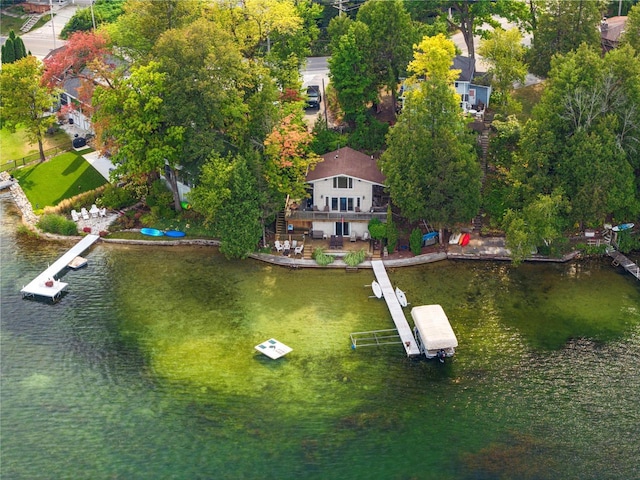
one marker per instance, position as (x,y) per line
(361,195)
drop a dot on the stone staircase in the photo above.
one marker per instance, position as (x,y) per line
(30,23)
(483,140)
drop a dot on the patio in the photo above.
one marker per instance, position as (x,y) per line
(331,245)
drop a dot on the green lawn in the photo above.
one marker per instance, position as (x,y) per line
(48,183)
(15,146)
(9,22)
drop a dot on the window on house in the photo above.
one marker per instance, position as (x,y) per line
(334,203)
(342,182)
(342,228)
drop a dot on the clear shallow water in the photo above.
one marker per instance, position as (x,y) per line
(146,369)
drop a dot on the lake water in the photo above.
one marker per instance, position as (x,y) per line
(146,369)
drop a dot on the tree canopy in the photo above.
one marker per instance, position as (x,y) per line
(25,101)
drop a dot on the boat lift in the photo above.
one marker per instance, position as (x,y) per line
(375,338)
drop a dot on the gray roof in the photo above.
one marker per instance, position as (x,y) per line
(466,66)
(349,162)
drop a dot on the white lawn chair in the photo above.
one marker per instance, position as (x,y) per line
(84,213)
(352,237)
(278,246)
(94,211)
(75,216)
(365,235)
(298,250)
(103,212)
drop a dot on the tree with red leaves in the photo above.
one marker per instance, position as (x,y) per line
(85,56)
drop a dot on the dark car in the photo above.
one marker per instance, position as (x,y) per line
(313,96)
(79,142)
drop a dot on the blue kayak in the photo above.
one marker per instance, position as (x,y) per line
(151,232)
(174,233)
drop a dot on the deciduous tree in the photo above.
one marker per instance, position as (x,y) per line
(351,72)
(631,34)
(504,52)
(25,101)
(561,27)
(134,124)
(289,157)
(392,36)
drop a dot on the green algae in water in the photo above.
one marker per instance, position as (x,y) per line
(147,370)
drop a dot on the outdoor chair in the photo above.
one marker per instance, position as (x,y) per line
(298,250)
(84,213)
(278,246)
(103,212)
(365,235)
(352,237)
(75,216)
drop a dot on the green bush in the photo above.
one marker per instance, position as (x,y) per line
(369,134)
(322,258)
(377,229)
(392,232)
(116,198)
(57,224)
(325,139)
(355,258)
(159,195)
(415,241)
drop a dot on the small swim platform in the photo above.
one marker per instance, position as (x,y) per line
(174,233)
(151,232)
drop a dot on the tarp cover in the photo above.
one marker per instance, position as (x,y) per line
(434,327)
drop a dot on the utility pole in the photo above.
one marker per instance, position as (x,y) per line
(93,19)
(52,27)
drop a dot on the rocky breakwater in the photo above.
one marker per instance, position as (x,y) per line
(28,216)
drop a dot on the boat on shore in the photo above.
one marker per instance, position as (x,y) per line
(622,227)
(454,239)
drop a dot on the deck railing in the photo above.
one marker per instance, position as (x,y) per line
(336,216)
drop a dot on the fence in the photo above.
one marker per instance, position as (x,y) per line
(34,157)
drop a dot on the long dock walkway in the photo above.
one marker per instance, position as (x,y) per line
(624,262)
(38,286)
(389,294)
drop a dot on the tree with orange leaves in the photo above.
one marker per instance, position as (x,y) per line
(289,157)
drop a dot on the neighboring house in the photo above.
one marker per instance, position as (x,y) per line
(473,98)
(610,31)
(346,191)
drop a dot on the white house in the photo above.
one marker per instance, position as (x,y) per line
(346,190)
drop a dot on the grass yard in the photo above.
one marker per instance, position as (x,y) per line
(529,98)
(67,175)
(16,146)
(11,22)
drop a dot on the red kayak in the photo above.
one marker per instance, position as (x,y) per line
(464,240)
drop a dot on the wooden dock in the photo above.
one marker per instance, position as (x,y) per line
(45,284)
(624,262)
(404,330)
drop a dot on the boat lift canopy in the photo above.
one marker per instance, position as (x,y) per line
(434,327)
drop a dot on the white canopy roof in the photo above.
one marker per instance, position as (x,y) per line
(434,327)
(272,348)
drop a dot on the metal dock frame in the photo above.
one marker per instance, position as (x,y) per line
(375,338)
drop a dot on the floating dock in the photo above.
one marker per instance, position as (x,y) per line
(273,349)
(402,326)
(45,284)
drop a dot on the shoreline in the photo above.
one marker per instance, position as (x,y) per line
(479,248)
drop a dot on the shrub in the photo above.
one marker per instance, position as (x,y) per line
(117,198)
(355,258)
(415,241)
(392,232)
(57,224)
(322,258)
(377,229)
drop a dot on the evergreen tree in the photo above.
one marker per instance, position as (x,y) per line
(8,51)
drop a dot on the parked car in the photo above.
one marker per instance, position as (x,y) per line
(313,96)
(79,142)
